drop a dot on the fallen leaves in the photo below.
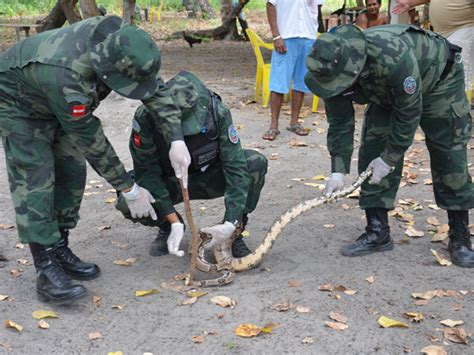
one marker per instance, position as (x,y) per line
(16,273)
(415,317)
(440,258)
(302,309)
(4,298)
(6,226)
(336,325)
(252,330)
(370,279)
(282,307)
(40,314)
(198,339)
(42,324)
(413,233)
(386,322)
(433,350)
(338,317)
(307,340)
(451,323)
(11,324)
(94,335)
(456,335)
(126,262)
(142,293)
(297,143)
(223,301)
(295,283)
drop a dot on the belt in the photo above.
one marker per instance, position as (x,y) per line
(453,50)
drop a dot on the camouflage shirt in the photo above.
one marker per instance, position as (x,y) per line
(150,168)
(403,64)
(55,81)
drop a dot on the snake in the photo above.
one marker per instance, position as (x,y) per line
(227,265)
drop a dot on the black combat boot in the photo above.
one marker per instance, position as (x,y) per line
(71,264)
(52,283)
(159,246)
(239,249)
(376,236)
(460,246)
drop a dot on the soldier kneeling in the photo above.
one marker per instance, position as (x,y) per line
(219,166)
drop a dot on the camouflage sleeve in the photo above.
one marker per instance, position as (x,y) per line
(72,104)
(234,165)
(146,162)
(405,93)
(166,113)
(340,137)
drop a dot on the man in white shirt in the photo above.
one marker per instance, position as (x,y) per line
(294,26)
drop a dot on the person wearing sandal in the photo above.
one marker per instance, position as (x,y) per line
(294,26)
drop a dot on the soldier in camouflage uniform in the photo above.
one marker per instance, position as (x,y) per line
(408,77)
(220,167)
(50,85)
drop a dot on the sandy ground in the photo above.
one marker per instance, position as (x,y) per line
(306,255)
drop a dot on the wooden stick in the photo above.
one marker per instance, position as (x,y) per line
(194,244)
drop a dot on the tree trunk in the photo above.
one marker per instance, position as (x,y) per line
(206,9)
(223,30)
(128,11)
(62,11)
(89,8)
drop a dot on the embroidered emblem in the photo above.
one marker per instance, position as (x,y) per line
(137,141)
(233,135)
(78,110)
(409,85)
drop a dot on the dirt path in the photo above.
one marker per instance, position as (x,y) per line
(307,252)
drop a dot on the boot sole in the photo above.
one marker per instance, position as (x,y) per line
(60,301)
(460,264)
(386,247)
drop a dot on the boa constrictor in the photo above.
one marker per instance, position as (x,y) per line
(227,265)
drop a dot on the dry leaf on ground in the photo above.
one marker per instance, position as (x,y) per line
(223,301)
(350,292)
(456,335)
(4,297)
(188,301)
(433,221)
(370,279)
(141,293)
(413,233)
(198,339)
(428,294)
(433,350)
(297,143)
(451,323)
(110,200)
(329,226)
(11,324)
(104,227)
(308,340)
(440,258)
(6,226)
(97,300)
(302,309)
(118,306)
(319,177)
(115,353)
(42,324)
(40,314)
(326,287)
(336,325)
(295,283)
(386,322)
(247,330)
(196,294)
(338,317)
(282,307)
(127,262)
(268,328)
(16,272)
(94,335)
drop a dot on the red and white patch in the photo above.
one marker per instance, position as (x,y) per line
(137,141)
(78,110)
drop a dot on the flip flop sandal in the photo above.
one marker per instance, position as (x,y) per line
(298,129)
(271,134)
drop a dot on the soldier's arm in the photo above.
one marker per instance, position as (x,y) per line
(73,109)
(166,113)
(362,21)
(146,163)
(234,165)
(406,97)
(340,137)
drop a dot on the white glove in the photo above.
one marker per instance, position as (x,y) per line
(180,160)
(336,182)
(219,233)
(139,202)
(174,239)
(380,169)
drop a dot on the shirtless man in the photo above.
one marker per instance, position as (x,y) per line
(372,17)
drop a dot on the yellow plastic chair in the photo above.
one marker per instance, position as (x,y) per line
(262,75)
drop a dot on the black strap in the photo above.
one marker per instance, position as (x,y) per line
(452,51)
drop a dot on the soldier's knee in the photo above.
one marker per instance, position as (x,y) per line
(256,162)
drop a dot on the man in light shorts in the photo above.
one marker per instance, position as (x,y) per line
(294,26)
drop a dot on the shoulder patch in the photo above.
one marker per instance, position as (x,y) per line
(409,85)
(136,126)
(78,105)
(232,134)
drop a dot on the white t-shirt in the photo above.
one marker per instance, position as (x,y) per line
(297,18)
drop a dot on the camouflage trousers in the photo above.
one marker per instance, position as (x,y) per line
(447,124)
(46,172)
(207,185)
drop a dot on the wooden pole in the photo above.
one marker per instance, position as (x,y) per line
(194,244)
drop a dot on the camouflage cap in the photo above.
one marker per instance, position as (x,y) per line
(335,61)
(125,58)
